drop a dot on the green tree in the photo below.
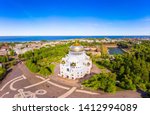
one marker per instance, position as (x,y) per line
(2,72)
(12,52)
(103,81)
(3,58)
(122,70)
(44,71)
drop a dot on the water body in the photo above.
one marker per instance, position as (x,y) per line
(114,51)
(51,38)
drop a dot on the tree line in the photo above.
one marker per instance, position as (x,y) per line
(42,60)
(132,69)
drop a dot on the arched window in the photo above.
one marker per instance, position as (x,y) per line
(88,64)
(73,64)
(63,62)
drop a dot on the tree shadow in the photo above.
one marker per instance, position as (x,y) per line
(143,93)
(86,77)
(8,71)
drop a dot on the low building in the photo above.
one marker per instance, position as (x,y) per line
(22,51)
(4,50)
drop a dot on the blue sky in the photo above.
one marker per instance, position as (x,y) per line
(74,17)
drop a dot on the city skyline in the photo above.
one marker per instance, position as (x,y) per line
(74,17)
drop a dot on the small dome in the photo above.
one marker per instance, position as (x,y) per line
(76,48)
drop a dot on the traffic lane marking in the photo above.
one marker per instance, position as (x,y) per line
(4,94)
(68,92)
(33,85)
(11,85)
(11,81)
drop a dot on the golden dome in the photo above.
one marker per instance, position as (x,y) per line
(76,47)
(76,43)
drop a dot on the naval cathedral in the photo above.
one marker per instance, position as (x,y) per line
(76,64)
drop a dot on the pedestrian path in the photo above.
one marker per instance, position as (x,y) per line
(68,92)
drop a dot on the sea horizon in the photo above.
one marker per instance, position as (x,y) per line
(55,38)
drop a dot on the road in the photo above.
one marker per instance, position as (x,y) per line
(21,83)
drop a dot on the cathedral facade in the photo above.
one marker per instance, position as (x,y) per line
(76,64)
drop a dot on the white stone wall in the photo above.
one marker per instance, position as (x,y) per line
(78,71)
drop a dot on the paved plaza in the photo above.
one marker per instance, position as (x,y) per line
(21,83)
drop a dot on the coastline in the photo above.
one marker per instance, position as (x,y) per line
(23,39)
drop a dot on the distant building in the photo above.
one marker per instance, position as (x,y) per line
(76,64)
(22,51)
(4,50)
